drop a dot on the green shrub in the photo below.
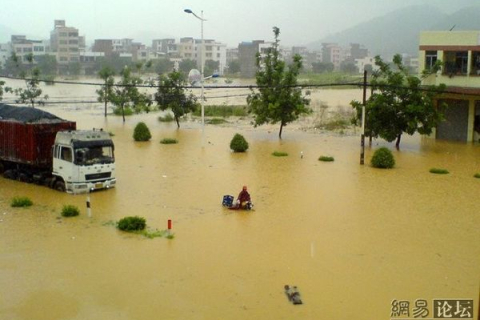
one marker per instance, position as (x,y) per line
(141,132)
(238,143)
(167,118)
(132,224)
(279,154)
(126,110)
(439,171)
(169,141)
(18,202)
(222,111)
(476,175)
(217,121)
(383,158)
(70,211)
(326,159)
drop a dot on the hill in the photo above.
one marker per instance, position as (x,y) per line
(398,31)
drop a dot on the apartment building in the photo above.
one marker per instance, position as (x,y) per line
(247,52)
(165,47)
(459,52)
(189,48)
(66,43)
(23,47)
(5,53)
(333,53)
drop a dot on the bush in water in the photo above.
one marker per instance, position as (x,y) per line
(141,132)
(238,143)
(132,224)
(70,211)
(21,202)
(383,158)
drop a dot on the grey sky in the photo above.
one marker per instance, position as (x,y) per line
(229,21)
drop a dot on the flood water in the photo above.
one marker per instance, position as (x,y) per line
(351,237)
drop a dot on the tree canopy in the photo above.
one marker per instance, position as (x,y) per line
(127,94)
(171,94)
(105,94)
(277,98)
(399,103)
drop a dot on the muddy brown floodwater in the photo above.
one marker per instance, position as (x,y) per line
(351,237)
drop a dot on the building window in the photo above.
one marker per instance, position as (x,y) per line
(73,34)
(430,59)
(38,49)
(72,41)
(63,34)
(62,41)
(456,63)
(476,63)
(218,55)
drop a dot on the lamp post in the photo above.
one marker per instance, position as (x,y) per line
(201,70)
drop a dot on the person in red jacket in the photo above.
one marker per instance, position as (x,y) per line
(243,199)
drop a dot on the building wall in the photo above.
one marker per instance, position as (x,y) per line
(65,43)
(460,53)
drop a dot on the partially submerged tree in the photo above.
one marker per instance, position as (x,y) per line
(278,98)
(171,94)
(31,94)
(105,94)
(399,103)
(127,94)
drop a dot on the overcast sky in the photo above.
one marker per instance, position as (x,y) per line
(229,21)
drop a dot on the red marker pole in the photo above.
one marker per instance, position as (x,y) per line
(169,226)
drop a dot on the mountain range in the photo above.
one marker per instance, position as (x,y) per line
(398,31)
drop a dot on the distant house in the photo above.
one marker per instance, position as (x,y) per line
(460,53)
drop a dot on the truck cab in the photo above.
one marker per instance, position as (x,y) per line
(83,161)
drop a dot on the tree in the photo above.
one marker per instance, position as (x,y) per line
(47,64)
(12,65)
(348,67)
(105,94)
(126,94)
(186,65)
(234,66)
(278,98)
(74,68)
(321,67)
(162,65)
(2,83)
(171,95)
(399,103)
(32,92)
(210,67)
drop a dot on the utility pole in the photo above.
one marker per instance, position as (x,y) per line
(362,140)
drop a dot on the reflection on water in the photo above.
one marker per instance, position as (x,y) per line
(352,238)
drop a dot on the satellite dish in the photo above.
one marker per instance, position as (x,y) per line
(194,77)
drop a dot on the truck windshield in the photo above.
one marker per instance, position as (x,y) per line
(94,155)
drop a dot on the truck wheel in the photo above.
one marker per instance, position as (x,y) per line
(60,186)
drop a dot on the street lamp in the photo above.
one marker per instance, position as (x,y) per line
(201,70)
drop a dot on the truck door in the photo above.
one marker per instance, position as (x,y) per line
(63,163)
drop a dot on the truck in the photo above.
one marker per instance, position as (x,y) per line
(39,147)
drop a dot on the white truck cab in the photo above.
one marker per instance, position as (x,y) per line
(83,161)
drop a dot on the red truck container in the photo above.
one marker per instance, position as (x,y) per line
(27,136)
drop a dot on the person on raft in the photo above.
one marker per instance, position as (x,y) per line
(243,198)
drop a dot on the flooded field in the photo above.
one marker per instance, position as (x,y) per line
(351,237)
